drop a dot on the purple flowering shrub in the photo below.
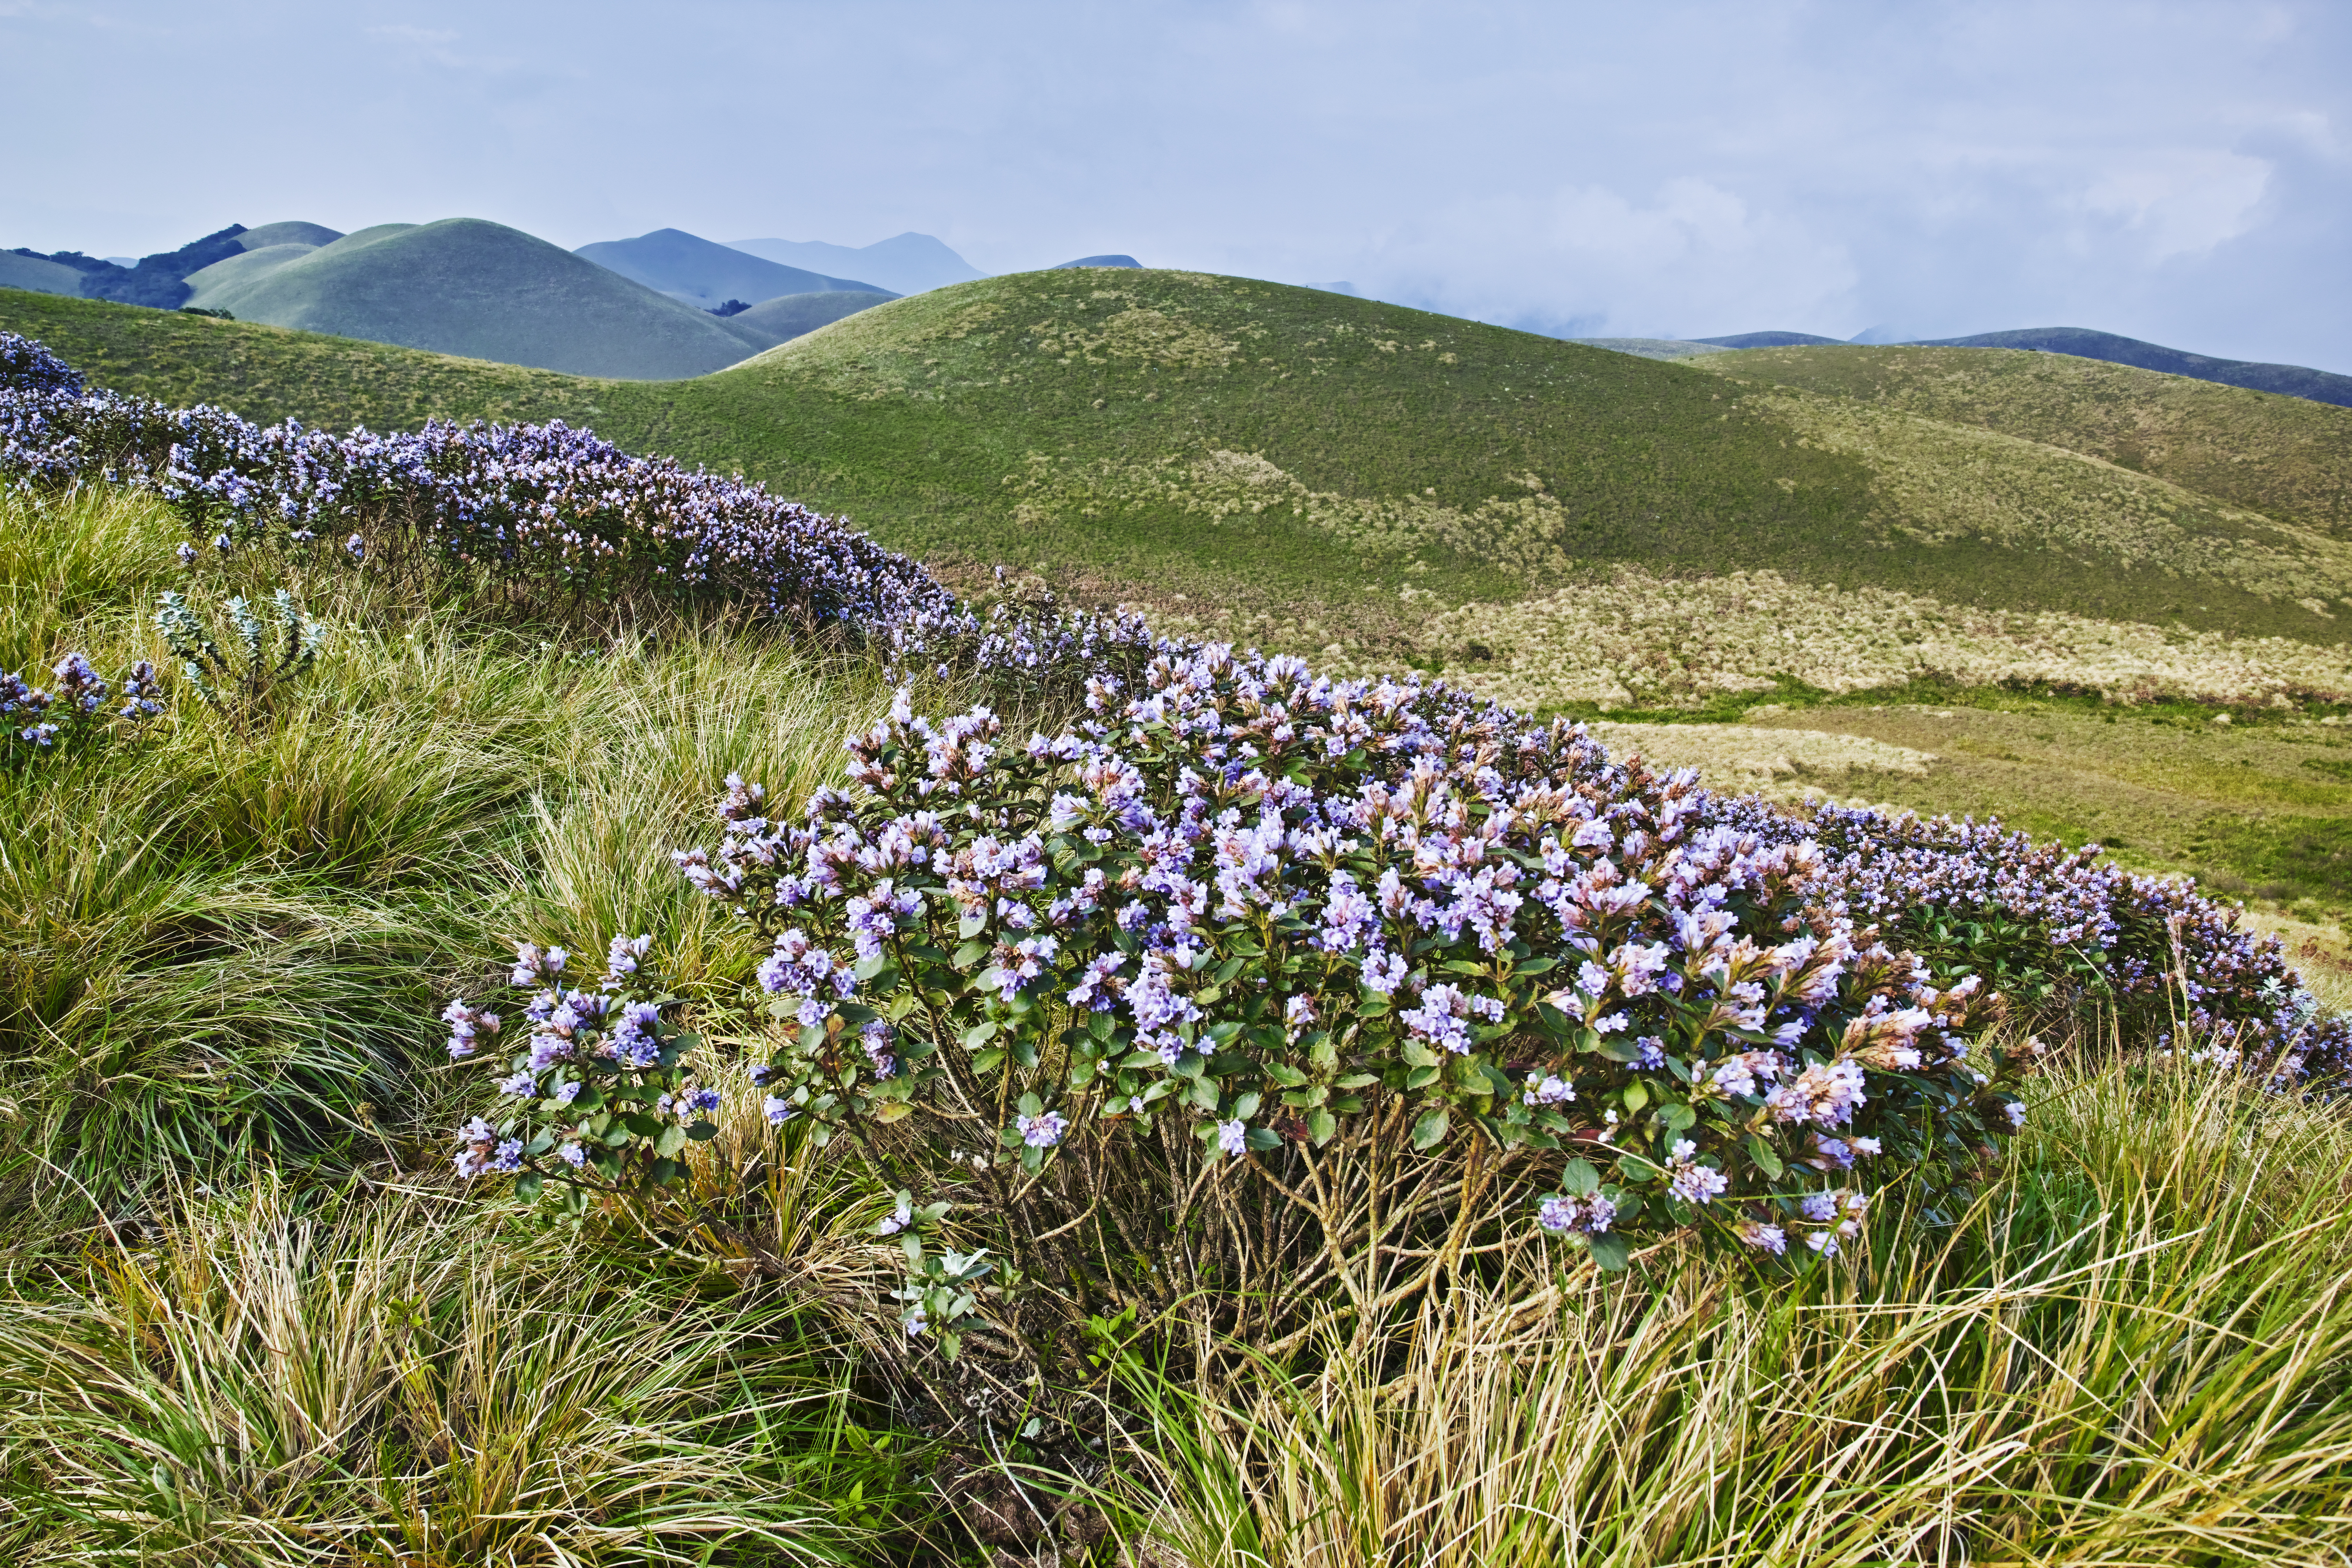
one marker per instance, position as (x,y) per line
(2060,932)
(26,364)
(596,1096)
(1299,991)
(542,517)
(36,721)
(1271,984)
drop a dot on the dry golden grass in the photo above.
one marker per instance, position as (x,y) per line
(1643,640)
(2131,1351)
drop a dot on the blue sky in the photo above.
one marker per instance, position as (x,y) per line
(2181,173)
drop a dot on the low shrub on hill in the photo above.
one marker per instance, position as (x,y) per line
(551,517)
(1302,993)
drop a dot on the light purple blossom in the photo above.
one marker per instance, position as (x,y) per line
(1042,1131)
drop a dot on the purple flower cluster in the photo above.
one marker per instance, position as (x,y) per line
(1255,902)
(31,367)
(34,720)
(595,1097)
(2064,927)
(542,506)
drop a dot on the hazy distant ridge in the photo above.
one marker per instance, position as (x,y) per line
(704,273)
(908,263)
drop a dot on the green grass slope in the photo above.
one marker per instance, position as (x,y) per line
(2292,380)
(38,276)
(1302,468)
(789,316)
(1158,426)
(1651,348)
(248,1315)
(463,285)
(2287,457)
(270,374)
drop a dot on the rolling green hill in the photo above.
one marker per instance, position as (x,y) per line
(289,233)
(2287,457)
(2292,380)
(463,285)
(1305,468)
(39,275)
(233,275)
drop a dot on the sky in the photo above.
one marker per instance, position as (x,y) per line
(2179,173)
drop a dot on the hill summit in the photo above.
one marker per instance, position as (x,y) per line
(469,286)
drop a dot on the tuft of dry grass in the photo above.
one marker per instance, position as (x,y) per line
(396,1378)
(2134,1348)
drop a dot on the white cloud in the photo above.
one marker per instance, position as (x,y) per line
(1588,260)
(2181,202)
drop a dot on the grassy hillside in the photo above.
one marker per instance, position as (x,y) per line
(238,1327)
(39,275)
(466,287)
(2292,379)
(1651,348)
(2287,458)
(271,374)
(789,316)
(1389,448)
(232,275)
(1273,452)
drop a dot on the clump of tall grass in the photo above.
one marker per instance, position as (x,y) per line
(283,1379)
(2134,1346)
(219,936)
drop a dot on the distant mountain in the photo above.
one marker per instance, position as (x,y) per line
(1768,340)
(789,316)
(1652,348)
(1096,261)
(2294,380)
(704,273)
(909,263)
(464,286)
(310,234)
